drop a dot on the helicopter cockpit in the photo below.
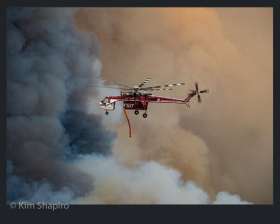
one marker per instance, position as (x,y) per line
(106,104)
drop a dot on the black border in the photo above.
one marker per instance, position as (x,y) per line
(169,213)
(141,3)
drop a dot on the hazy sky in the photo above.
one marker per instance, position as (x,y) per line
(224,143)
(62,146)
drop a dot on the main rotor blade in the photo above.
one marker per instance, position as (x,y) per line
(158,87)
(145,81)
(124,85)
(107,87)
(199,99)
(204,91)
(109,82)
(196,86)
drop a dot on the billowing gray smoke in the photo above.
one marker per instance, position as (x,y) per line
(50,65)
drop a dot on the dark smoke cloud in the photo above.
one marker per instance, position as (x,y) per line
(87,133)
(50,64)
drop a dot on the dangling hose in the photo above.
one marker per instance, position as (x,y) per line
(127,121)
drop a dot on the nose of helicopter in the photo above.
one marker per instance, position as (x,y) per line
(102,105)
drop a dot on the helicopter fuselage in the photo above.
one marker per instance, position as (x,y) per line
(138,101)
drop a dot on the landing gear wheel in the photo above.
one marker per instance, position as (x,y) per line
(106,112)
(145,115)
(136,112)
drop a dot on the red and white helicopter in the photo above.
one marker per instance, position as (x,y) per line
(136,100)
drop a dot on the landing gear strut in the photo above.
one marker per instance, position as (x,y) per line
(136,112)
(145,115)
(106,112)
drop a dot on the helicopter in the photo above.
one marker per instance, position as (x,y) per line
(135,100)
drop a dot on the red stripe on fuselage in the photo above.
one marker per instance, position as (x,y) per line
(151,99)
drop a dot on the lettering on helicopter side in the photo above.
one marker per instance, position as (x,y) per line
(129,105)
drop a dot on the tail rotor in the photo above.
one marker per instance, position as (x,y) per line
(198,92)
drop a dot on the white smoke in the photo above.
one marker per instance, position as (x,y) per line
(93,103)
(146,183)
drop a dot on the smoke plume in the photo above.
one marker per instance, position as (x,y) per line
(224,144)
(63,148)
(50,66)
(146,183)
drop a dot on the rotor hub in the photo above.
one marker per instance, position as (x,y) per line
(136,88)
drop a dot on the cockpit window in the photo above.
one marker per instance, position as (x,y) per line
(106,100)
